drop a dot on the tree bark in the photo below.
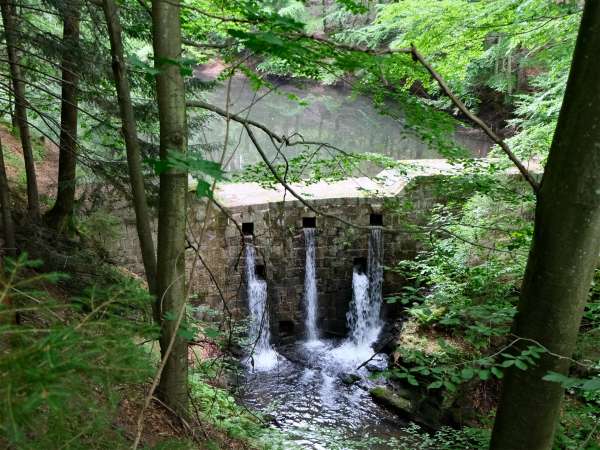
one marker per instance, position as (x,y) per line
(170,89)
(134,158)
(8,226)
(563,257)
(60,216)
(11,36)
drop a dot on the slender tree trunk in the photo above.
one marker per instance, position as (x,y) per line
(563,256)
(134,158)
(172,200)
(11,107)
(10,33)
(7,223)
(60,216)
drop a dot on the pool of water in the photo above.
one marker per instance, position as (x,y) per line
(330,114)
(309,402)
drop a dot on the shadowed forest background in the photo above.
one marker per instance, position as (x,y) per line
(182,185)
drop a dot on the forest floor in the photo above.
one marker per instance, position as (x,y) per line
(45,156)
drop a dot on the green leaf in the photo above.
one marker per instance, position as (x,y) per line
(591,385)
(435,385)
(203,189)
(142,66)
(520,364)
(484,374)
(450,386)
(556,377)
(186,333)
(497,372)
(412,380)
(467,373)
(211,333)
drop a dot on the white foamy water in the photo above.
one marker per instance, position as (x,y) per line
(310,288)
(364,319)
(261,355)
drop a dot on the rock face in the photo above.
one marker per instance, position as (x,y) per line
(390,399)
(412,404)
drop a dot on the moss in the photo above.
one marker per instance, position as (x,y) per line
(393,401)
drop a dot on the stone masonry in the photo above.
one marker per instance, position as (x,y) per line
(277,222)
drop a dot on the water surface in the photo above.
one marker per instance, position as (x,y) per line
(313,406)
(331,114)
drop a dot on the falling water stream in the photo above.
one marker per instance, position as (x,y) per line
(262,356)
(310,288)
(307,392)
(375,264)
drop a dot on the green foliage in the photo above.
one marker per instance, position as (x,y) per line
(69,360)
(308,167)
(220,408)
(194,165)
(447,369)
(445,438)
(468,278)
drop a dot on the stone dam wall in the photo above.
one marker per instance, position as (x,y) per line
(277,228)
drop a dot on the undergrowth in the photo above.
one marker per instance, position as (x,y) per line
(64,364)
(460,301)
(69,360)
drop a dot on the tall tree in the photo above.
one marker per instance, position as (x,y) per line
(166,36)
(7,222)
(563,257)
(11,36)
(59,217)
(134,158)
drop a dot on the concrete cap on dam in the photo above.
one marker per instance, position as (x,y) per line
(387,183)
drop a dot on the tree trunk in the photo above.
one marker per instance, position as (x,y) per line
(563,256)
(60,216)
(134,158)
(11,36)
(8,226)
(11,108)
(172,200)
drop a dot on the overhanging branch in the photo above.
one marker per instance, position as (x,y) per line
(418,57)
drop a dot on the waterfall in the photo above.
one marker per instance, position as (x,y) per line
(375,269)
(310,287)
(262,356)
(363,316)
(360,318)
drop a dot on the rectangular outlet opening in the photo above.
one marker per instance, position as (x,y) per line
(376,220)
(360,264)
(309,222)
(286,327)
(247,228)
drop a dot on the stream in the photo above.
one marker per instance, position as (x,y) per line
(311,404)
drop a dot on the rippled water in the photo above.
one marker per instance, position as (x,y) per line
(311,404)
